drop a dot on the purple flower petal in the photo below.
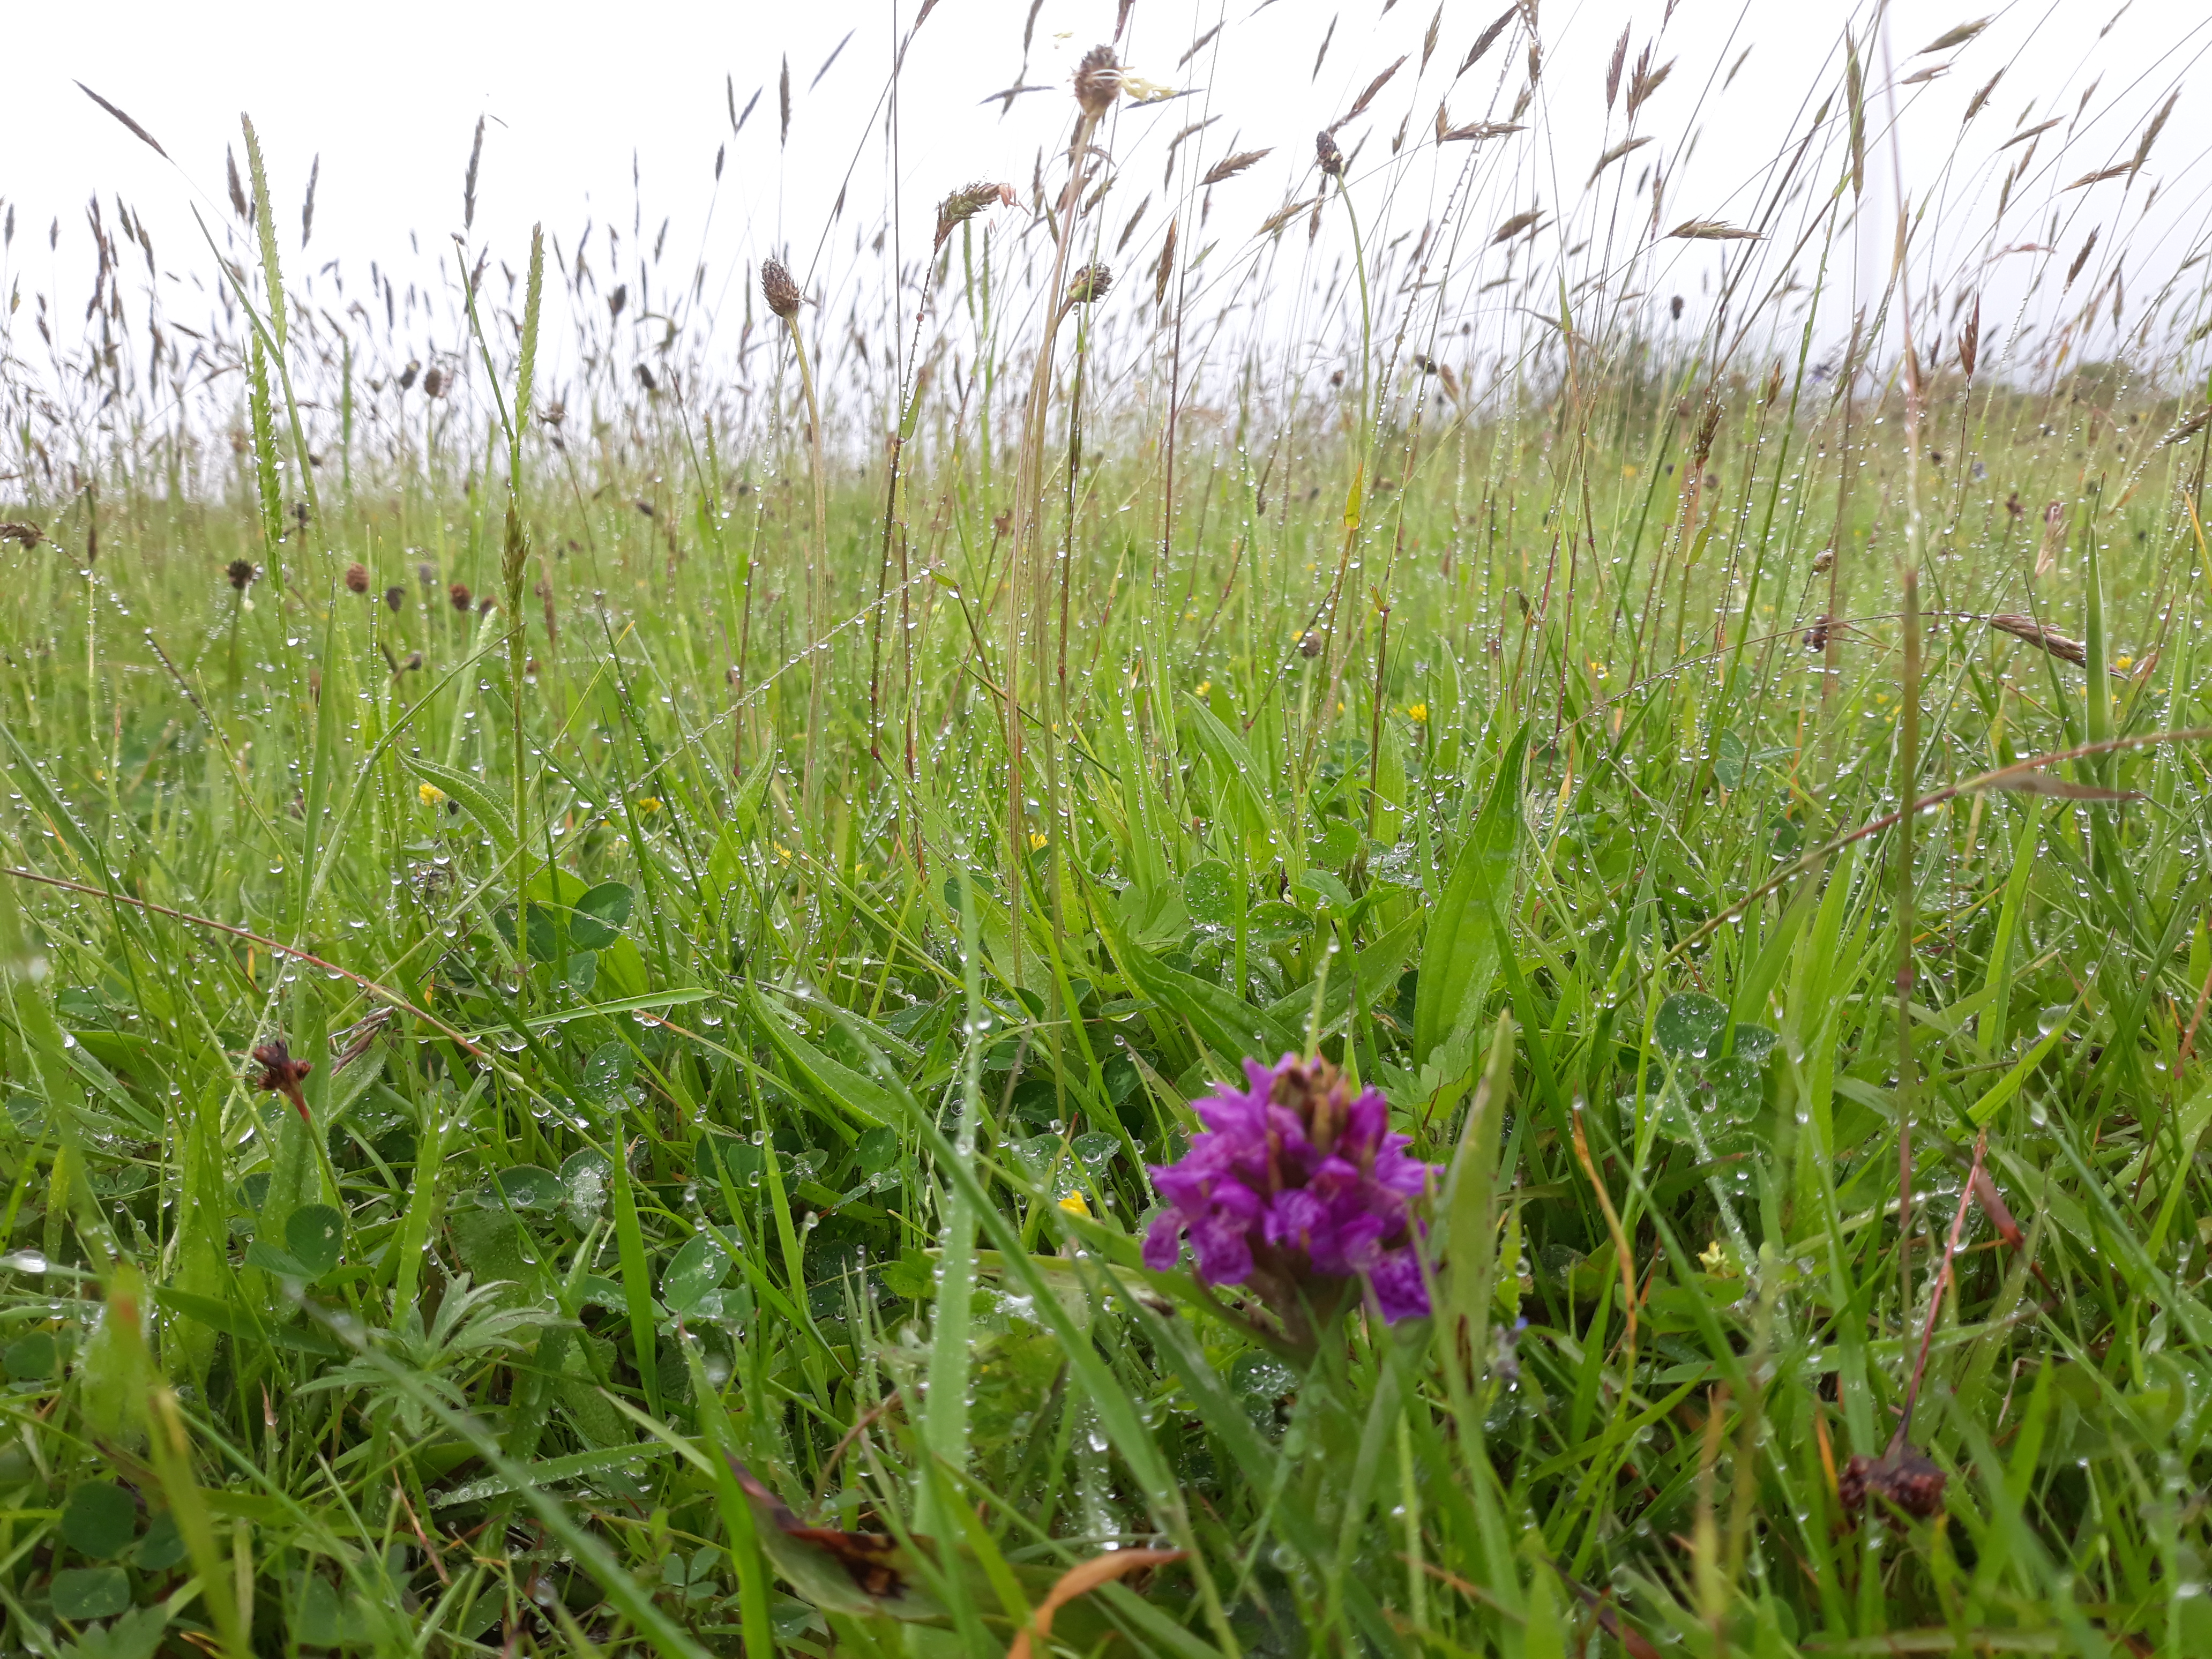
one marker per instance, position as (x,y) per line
(1225,1256)
(1399,1290)
(1164,1241)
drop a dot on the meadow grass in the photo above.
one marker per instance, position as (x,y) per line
(757,869)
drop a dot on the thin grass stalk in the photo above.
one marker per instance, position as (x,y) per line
(817,583)
(1026,610)
(1908,739)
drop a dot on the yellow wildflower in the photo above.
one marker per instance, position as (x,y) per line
(1205,686)
(1073,1204)
(1039,842)
(648,805)
(1417,711)
(429,795)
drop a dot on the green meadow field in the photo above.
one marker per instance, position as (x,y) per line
(603,950)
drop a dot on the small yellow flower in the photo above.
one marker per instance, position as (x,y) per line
(1417,711)
(1073,1204)
(782,852)
(1717,1260)
(1205,686)
(648,805)
(429,795)
(1039,842)
(2124,663)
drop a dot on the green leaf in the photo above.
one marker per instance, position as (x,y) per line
(162,1546)
(1210,894)
(1237,793)
(1459,954)
(82,1593)
(700,1265)
(607,1072)
(1336,847)
(235,1322)
(526,1186)
(1227,1023)
(1729,759)
(313,1236)
(854,1095)
(31,1358)
(600,914)
(877,1151)
(100,1520)
(585,1179)
(1689,1023)
(323,1620)
(136,1635)
(1276,923)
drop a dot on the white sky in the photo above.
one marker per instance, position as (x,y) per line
(584,100)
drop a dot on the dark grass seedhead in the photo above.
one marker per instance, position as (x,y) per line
(1329,154)
(282,1074)
(356,578)
(1089,283)
(1098,82)
(1900,1477)
(964,204)
(22,534)
(241,574)
(460,597)
(781,293)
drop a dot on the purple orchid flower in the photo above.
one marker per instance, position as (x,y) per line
(1297,1192)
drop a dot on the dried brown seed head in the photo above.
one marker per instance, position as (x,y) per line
(23,535)
(241,573)
(1098,81)
(356,578)
(395,596)
(1327,153)
(2034,633)
(781,293)
(1089,283)
(458,594)
(282,1074)
(1310,643)
(433,382)
(964,204)
(1901,1477)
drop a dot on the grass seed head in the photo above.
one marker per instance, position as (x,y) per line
(282,1074)
(781,293)
(1098,82)
(241,573)
(1327,153)
(356,578)
(394,597)
(458,594)
(964,204)
(1090,284)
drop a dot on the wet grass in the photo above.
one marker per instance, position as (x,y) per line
(751,909)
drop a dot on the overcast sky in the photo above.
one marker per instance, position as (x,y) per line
(617,114)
